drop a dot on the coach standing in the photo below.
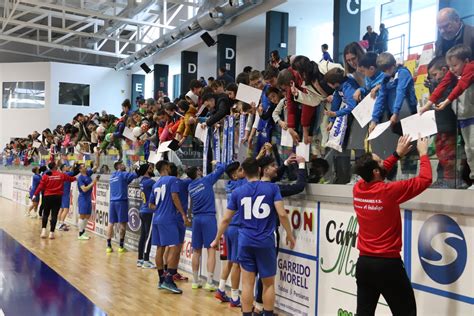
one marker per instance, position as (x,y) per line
(52,183)
(380,269)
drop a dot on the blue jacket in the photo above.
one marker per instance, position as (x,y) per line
(371,82)
(345,94)
(262,124)
(393,92)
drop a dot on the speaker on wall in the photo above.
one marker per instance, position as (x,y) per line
(145,68)
(207,38)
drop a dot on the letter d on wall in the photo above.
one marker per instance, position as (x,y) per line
(189,69)
(226,52)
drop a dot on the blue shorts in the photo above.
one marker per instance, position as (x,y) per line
(204,231)
(181,231)
(163,235)
(65,201)
(258,260)
(36,198)
(84,206)
(118,212)
(231,242)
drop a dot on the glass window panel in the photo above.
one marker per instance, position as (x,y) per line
(74,94)
(423,24)
(394,12)
(23,95)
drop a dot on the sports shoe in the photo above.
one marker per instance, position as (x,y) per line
(235,303)
(210,287)
(221,296)
(34,215)
(83,237)
(122,250)
(139,263)
(27,214)
(51,235)
(61,227)
(196,286)
(65,228)
(171,287)
(109,250)
(148,265)
(179,277)
(43,233)
(160,286)
(471,187)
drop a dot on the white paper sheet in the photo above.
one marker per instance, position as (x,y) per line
(426,56)
(378,130)
(36,144)
(154,157)
(201,133)
(248,94)
(164,147)
(242,152)
(363,111)
(303,150)
(40,137)
(286,139)
(420,125)
(128,133)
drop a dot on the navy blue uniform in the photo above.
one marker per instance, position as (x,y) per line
(66,192)
(34,185)
(255,204)
(181,187)
(119,181)
(165,230)
(84,201)
(232,232)
(204,208)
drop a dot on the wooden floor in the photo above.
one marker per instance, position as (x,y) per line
(111,281)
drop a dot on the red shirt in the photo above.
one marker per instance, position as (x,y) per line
(307,112)
(377,205)
(53,184)
(467,78)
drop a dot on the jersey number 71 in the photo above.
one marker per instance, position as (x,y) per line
(259,210)
(160,194)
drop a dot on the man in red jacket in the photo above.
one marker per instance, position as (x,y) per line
(52,184)
(380,269)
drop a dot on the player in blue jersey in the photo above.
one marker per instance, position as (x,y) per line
(85,184)
(203,204)
(237,178)
(118,209)
(65,200)
(179,194)
(34,184)
(258,205)
(146,216)
(165,230)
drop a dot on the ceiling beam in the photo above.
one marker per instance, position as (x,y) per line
(58,46)
(96,14)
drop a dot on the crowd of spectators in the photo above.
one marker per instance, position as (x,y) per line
(304,98)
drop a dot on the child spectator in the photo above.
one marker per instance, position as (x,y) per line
(373,77)
(326,55)
(218,87)
(460,65)
(446,124)
(185,126)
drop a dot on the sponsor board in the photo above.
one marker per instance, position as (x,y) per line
(295,284)
(185,260)
(101,215)
(338,254)
(441,264)
(132,237)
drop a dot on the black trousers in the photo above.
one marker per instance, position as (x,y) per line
(144,244)
(259,294)
(386,276)
(41,207)
(52,204)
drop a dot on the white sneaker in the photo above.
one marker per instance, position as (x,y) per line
(471,187)
(148,265)
(34,215)
(27,214)
(43,233)
(51,235)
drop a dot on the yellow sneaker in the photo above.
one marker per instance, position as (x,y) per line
(210,287)
(122,250)
(196,286)
(109,250)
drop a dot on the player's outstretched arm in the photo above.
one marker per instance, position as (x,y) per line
(285,222)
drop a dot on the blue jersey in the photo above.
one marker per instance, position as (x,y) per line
(165,211)
(119,181)
(146,186)
(202,193)
(181,187)
(67,185)
(229,188)
(84,180)
(35,183)
(255,202)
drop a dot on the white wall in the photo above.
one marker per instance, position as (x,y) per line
(108,89)
(21,122)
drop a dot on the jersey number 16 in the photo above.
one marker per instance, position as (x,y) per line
(259,210)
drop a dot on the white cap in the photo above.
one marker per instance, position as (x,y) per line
(193,97)
(325,66)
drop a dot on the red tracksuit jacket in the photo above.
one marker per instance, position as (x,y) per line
(377,205)
(53,184)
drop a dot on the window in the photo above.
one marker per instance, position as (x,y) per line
(23,95)
(74,94)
